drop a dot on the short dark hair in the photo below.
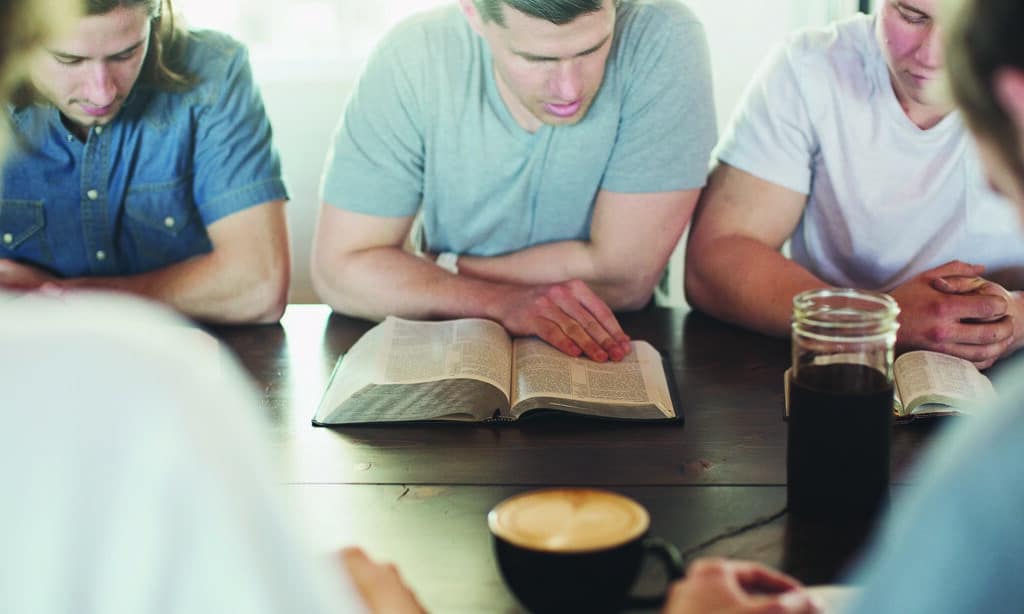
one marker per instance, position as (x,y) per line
(164,66)
(558,12)
(983,36)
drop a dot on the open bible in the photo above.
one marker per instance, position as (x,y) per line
(470,370)
(930,383)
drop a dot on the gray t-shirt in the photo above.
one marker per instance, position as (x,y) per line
(427,125)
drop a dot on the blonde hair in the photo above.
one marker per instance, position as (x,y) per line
(24,25)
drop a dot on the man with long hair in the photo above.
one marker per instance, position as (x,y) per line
(145,164)
(92,468)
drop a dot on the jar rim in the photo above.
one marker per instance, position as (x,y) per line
(808,306)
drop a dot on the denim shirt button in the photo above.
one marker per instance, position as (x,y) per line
(101,255)
(169,222)
(98,130)
(8,238)
(92,194)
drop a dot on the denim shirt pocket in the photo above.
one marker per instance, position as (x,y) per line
(163,223)
(23,232)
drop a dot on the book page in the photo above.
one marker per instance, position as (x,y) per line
(448,399)
(399,351)
(542,371)
(471,348)
(931,377)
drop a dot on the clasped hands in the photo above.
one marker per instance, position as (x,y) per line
(953,310)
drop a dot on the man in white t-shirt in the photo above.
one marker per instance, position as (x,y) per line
(840,148)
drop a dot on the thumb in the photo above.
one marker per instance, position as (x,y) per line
(790,602)
(958,284)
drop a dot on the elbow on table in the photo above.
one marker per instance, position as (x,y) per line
(693,288)
(634,294)
(265,300)
(328,279)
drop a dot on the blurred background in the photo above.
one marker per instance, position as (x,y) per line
(307,55)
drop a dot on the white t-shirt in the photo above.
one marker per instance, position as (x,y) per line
(886,200)
(133,476)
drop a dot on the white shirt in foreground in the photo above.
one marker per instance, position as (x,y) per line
(133,475)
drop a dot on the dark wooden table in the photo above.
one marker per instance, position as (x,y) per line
(418,494)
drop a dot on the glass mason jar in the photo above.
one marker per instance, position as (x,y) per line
(840,402)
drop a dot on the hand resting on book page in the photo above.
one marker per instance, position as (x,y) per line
(569,316)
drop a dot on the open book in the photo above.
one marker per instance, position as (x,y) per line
(929,384)
(471,370)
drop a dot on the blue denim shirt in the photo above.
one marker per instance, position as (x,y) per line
(138,194)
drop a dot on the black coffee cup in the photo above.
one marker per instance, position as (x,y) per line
(576,550)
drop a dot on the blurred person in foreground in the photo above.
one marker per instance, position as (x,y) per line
(129,457)
(145,164)
(953,543)
(135,479)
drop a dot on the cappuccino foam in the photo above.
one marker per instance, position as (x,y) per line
(568,520)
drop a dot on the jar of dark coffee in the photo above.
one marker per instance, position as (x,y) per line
(840,403)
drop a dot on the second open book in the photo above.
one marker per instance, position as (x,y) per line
(930,384)
(470,370)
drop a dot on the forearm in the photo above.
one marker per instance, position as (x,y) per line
(623,284)
(376,282)
(212,287)
(746,282)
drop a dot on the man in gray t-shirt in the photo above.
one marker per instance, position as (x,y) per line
(553,149)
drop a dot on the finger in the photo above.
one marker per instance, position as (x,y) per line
(981,366)
(604,316)
(955,268)
(981,355)
(955,307)
(756,578)
(993,289)
(958,284)
(580,325)
(792,602)
(989,333)
(548,330)
(380,585)
(355,561)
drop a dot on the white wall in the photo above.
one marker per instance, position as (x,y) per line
(306,56)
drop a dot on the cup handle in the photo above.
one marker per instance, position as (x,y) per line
(669,556)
